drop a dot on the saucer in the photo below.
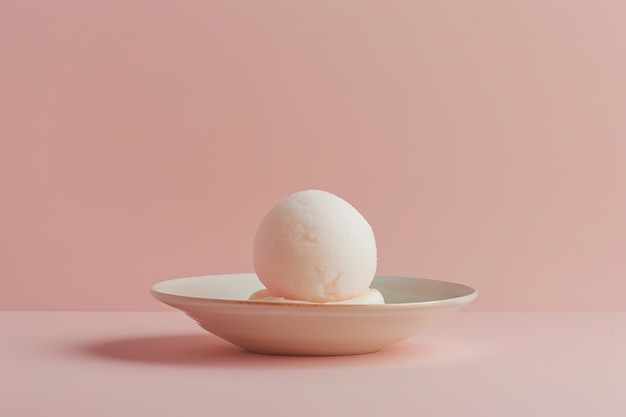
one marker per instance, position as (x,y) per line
(220,305)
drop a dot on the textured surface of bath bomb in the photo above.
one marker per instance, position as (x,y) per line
(314,246)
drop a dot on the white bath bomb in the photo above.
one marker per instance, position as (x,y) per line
(314,246)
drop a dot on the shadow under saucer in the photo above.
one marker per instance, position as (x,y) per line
(206,350)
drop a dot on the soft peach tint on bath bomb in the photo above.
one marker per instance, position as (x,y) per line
(314,246)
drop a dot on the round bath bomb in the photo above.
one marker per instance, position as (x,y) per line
(314,246)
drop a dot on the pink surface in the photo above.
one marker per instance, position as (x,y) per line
(142,141)
(162,364)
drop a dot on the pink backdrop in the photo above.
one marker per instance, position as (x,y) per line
(484,140)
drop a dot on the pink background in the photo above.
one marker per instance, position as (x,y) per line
(485,142)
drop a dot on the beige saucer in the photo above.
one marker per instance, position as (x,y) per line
(219,303)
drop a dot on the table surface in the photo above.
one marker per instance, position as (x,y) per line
(163,364)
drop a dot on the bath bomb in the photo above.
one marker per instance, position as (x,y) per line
(314,246)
